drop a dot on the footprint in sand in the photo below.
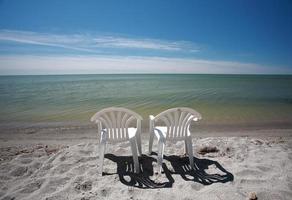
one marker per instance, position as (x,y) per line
(272,195)
(5,168)
(63,158)
(197,186)
(61,169)
(31,187)
(85,186)
(249,173)
(84,152)
(55,197)
(36,165)
(86,159)
(8,198)
(81,169)
(54,184)
(104,191)
(53,157)
(5,177)
(252,181)
(264,168)
(46,167)
(25,161)
(19,171)
(3,187)
(81,145)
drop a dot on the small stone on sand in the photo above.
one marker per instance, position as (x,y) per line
(252,196)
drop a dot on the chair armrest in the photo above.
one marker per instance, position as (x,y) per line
(197,119)
(151,123)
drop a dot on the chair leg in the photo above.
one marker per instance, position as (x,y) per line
(135,155)
(102,146)
(190,152)
(186,147)
(161,146)
(139,144)
(151,142)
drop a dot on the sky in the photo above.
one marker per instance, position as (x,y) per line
(145,36)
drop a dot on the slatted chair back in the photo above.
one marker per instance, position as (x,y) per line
(116,121)
(177,121)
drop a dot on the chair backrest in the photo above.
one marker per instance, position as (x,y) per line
(177,121)
(116,121)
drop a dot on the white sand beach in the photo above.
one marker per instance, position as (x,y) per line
(64,165)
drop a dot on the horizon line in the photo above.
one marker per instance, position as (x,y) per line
(76,74)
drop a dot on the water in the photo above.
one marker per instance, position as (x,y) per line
(221,99)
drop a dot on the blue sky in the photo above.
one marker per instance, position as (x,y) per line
(69,37)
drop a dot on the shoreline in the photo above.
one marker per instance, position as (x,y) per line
(8,130)
(76,134)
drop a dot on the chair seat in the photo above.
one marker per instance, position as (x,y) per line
(131,132)
(161,131)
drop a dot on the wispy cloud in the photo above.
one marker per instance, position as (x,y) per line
(145,44)
(74,42)
(118,64)
(95,43)
(112,54)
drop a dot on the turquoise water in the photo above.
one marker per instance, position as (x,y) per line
(221,99)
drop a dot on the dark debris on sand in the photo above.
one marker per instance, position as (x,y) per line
(208,149)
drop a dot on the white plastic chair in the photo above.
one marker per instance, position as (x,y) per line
(114,125)
(177,127)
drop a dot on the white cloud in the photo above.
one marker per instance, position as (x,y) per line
(93,43)
(74,42)
(118,64)
(89,63)
(145,44)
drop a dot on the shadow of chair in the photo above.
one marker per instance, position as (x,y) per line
(143,180)
(182,167)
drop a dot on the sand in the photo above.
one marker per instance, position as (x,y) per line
(64,165)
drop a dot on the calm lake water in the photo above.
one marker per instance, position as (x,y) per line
(243,100)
